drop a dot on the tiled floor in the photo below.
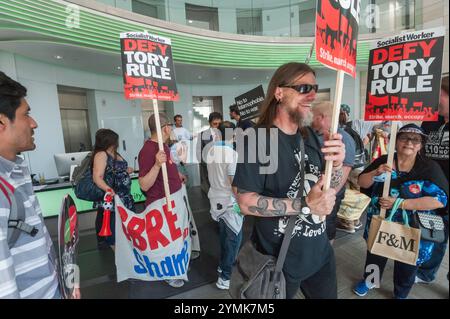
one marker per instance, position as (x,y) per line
(350,256)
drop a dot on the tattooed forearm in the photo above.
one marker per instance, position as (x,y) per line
(336,178)
(262,207)
(297,205)
(279,206)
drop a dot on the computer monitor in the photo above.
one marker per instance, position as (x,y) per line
(65,161)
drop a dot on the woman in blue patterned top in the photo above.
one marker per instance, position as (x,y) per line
(110,173)
(422,185)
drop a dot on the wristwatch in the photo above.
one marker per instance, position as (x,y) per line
(305,209)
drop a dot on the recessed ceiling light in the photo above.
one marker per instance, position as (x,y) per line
(234,77)
(58,57)
(199,77)
(190,21)
(119,68)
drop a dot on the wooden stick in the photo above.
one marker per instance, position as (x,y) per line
(390,162)
(334,126)
(334,123)
(161,148)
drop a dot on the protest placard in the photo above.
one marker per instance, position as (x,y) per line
(250,102)
(69,276)
(336,41)
(156,244)
(404,76)
(337,34)
(147,65)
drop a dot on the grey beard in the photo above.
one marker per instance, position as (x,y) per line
(307,121)
(297,118)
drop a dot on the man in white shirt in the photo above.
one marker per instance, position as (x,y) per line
(221,162)
(180,148)
(181,133)
(207,136)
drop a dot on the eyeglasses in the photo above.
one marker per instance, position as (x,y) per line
(406,139)
(303,88)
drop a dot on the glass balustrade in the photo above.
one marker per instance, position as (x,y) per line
(285,18)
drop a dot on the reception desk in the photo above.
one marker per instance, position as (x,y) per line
(50,197)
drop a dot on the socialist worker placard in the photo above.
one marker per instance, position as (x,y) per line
(147,65)
(404,76)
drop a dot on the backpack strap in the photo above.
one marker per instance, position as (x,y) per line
(291,222)
(16,220)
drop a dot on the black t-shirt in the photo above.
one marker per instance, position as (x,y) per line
(436,146)
(309,248)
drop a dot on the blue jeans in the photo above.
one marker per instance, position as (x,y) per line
(427,271)
(404,274)
(229,248)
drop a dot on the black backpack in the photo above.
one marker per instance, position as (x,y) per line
(80,170)
(83,182)
(361,154)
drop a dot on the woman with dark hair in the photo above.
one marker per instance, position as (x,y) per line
(422,186)
(110,173)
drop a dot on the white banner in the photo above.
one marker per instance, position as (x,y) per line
(155,244)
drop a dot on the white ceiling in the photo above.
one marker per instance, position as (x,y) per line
(106,63)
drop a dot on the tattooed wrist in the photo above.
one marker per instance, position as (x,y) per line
(262,208)
(336,177)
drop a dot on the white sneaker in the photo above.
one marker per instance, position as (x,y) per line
(420,281)
(223,284)
(176,283)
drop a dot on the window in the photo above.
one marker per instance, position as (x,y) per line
(151,8)
(307,18)
(74,119)
(249,21)
(202,17)
(202,107)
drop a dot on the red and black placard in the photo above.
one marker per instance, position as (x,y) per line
(404,76)
(337,34)
(147,65)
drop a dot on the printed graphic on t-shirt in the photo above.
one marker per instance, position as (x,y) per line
(437,144)
(305,225)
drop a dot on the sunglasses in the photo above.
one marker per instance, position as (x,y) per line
(406,139)
(303,88)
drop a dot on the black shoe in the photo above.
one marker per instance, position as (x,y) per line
(102,245)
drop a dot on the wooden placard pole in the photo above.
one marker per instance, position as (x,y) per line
(334,126)
(161,148)
(390,162)
(334,123)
